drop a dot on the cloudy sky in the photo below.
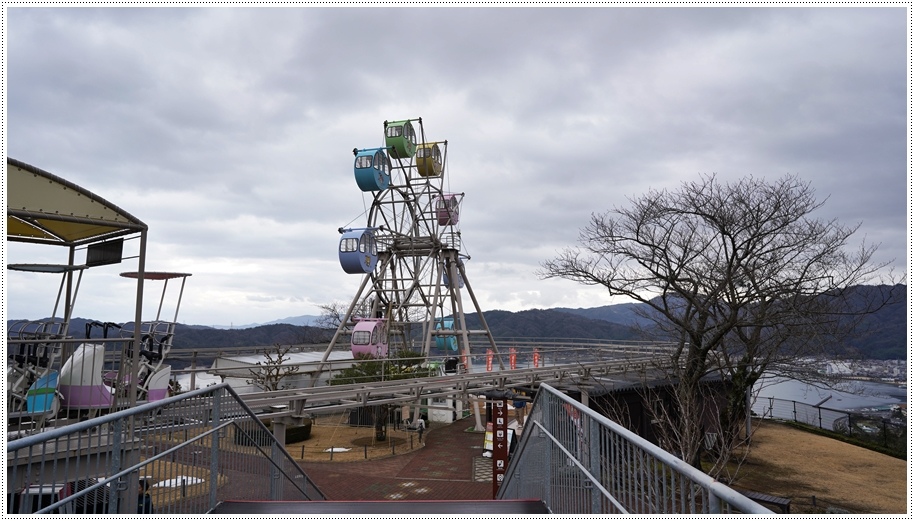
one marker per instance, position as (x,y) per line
(229,131)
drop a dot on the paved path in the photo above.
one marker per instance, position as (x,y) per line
(442,470)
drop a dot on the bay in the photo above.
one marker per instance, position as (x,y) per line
(850,395)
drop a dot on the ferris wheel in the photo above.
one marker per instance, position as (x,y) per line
(408,252)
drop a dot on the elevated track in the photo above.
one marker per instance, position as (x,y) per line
(461,386)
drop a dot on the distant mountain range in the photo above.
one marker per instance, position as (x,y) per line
(884,333)
(301,320)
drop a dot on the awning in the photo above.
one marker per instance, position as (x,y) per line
(46,209)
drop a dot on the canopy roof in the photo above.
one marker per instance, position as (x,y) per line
(47,209)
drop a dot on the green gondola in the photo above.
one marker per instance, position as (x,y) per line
(400,137)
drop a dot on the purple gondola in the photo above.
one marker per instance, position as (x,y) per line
(369,337)
(358,250)
(447,209)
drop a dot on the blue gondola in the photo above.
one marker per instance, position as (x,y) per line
(445,341)
(372,169)
(358,250)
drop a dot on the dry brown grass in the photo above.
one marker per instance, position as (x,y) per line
(796,464)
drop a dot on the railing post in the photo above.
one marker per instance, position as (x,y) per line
(116,501)
(713,502)
(594,436)
(279,432)
(193,372)
(547,402)
(214,448)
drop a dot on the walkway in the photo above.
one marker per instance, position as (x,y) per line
(442,470)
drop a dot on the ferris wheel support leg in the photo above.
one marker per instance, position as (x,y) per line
(451,264)
(455,294)
(482,318)
(427,344)
(315,376)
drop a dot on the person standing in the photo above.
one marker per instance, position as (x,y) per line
(144,505)
(520,408)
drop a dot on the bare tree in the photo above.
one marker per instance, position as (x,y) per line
(331,316)
(270,373)
(742,277)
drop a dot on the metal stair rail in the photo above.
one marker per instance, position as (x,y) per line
(192,450)
(579,462)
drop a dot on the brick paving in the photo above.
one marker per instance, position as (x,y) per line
(442,470)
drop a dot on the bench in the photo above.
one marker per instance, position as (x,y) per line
(782,503)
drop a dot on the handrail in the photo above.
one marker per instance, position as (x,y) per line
(589,439)
(67,430)
(116,432)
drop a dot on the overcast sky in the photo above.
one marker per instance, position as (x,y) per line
(229,131)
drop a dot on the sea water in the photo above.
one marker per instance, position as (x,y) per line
(850,395)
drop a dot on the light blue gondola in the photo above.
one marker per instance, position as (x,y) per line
(445,341)
(372,169)
(358,250)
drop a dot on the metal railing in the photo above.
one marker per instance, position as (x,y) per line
(579,462)
(192,451)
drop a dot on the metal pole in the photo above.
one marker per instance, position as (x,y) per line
(137,322)
(713,503)
(594,447)
(214,448)
(193,372)
(482,318)
(436,301)
(279,432)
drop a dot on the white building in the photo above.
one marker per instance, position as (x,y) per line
(239,370)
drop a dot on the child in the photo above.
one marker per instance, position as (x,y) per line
(520,408)
(145,500)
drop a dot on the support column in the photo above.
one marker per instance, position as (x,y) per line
(279,432)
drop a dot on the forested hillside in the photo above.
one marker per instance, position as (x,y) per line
(881,335)
(549,323)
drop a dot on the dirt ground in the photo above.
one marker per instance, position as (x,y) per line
(796,464)
(352,443)
(784,462)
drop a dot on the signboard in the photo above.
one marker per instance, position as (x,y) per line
(500,443)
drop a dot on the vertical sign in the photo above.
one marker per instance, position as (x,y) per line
(513,358)
(500,443)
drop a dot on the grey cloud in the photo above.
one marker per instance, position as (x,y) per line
(230,130)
